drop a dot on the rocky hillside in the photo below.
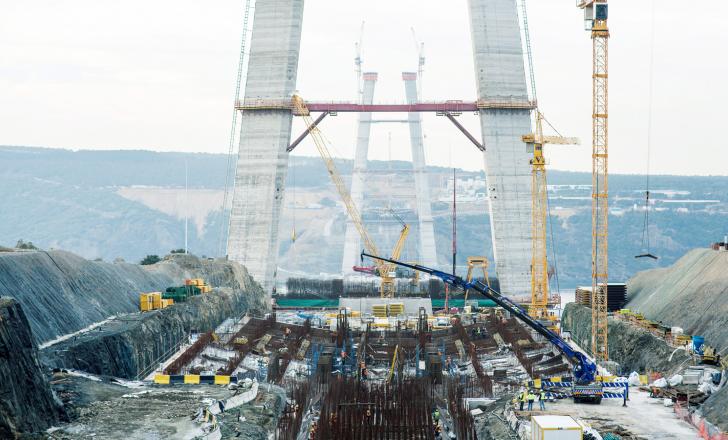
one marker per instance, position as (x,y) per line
(133,345)
(690,294)
(27,402)
(62,293)
(632,348)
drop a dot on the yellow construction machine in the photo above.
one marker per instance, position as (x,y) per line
(539,214)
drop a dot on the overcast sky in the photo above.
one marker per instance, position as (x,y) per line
(159,75)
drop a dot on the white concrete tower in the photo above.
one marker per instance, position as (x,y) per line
(352,241)
(264,136)
(500,75)
(427,252)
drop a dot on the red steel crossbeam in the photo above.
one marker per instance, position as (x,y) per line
(443,107)
(455,107)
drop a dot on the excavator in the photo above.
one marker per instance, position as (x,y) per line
(584,388)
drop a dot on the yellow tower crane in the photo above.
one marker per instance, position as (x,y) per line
(595,19)
(539,214)
(385,270)
(388,287)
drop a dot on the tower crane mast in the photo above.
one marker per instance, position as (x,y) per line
(595,19)
(420,48)
(539,214)
(358,64)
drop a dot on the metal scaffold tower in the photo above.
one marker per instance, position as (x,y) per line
(595,16)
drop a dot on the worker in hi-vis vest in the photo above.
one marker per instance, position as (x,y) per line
(522,399)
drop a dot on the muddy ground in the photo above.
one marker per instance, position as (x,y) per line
(104,408)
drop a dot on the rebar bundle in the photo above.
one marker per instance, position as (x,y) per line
(351,409)
(189,354)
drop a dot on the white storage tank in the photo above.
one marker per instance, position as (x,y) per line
(555,428)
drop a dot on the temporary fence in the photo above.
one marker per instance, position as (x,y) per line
(706,430)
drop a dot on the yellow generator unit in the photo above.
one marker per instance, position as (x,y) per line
(150,301)
(145,302)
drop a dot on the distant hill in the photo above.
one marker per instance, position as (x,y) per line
(108,204)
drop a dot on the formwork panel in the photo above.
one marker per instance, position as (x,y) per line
(264,136)
(500,74)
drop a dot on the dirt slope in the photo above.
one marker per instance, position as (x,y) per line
(691,294)
(62,293)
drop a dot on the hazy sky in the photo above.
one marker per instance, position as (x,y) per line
(160,75)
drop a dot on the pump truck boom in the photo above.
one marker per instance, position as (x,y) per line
(585,386)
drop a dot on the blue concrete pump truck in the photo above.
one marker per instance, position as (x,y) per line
(584,387)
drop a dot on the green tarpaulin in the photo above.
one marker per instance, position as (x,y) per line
(334,303)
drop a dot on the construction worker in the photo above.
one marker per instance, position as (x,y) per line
(522,399)
(542,400)
(363,372)
(531,399)
(312,432)
(436,416)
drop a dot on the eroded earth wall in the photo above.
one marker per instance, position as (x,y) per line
(132,346)
(690,294)
(62,293)
(27,403)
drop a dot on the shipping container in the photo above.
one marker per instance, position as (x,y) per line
(194,282)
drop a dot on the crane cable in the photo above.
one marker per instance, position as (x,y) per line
(223,238)
(532,77)
(646,221)
(551,220)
